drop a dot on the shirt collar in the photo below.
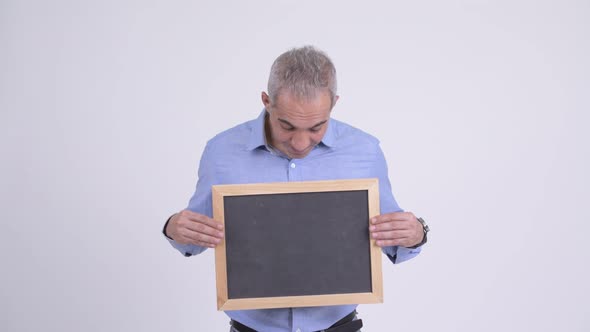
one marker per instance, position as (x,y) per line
(258,138)
(329,138)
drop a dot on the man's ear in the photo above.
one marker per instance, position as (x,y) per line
(334,102)
(265,100)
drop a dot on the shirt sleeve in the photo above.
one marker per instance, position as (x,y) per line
(200,201)
(388,204)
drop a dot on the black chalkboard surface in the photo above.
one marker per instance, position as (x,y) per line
(297,244)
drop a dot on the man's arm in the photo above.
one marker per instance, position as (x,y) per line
(192,230)
(395,231)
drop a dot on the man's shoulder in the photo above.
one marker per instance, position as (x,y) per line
(346,134)
(235,137)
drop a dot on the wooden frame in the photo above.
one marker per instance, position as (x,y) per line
(225,303)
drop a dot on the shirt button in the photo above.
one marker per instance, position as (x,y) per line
(293,166)
(298,330)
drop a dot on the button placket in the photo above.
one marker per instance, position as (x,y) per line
(293,170)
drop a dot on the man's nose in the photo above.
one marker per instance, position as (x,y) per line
(300,142)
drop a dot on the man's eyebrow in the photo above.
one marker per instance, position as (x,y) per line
(286,122)
(319,123)
(292,126)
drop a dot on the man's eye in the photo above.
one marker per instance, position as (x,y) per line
(315,130)
(288,128)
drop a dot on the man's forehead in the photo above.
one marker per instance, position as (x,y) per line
(321,96)
(310,125)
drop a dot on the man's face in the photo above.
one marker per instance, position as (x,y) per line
(294,126)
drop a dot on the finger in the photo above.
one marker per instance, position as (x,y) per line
(389,226)
(392,235)
(204,229)
(388,243)
(394,216)
(405,242)
(208,221)
(197,217)
(199,238)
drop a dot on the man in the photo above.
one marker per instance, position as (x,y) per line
(294,139)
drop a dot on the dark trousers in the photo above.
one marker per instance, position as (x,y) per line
(350,323)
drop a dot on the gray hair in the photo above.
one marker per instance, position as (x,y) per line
(303,72)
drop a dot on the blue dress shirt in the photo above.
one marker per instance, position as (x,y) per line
(241,155)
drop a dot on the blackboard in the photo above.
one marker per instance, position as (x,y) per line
(297,244)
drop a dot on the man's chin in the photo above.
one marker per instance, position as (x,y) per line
(301,155)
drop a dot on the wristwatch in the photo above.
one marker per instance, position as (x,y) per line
(426,229)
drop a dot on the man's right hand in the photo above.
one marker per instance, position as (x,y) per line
(187,227)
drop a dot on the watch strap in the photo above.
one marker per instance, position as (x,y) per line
(426,229)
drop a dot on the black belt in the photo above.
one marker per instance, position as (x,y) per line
(346,324)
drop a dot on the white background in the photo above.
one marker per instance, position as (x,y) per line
(481,107)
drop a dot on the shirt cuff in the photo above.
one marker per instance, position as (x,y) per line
(166,225)
(400,254)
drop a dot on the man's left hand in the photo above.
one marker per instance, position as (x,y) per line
(396,229)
